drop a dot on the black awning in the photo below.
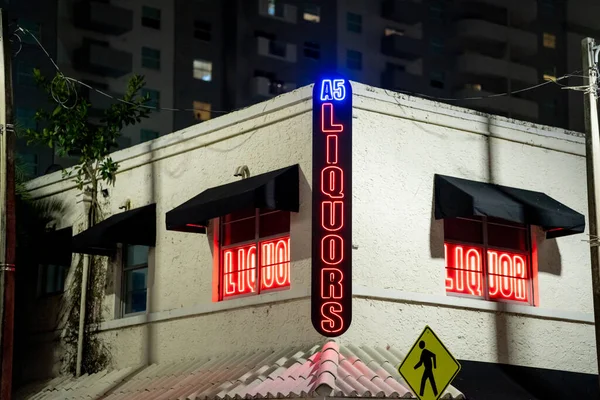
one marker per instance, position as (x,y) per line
(55,247)
(455,197)
(489,381)
(137,226)
(276,190)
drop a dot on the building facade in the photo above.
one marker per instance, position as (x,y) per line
(207,58)
(210,265)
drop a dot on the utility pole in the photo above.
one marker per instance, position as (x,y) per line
(592,147)
(7,290)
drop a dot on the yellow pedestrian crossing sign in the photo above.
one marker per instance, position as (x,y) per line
(428,368)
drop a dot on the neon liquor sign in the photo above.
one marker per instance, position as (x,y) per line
(331,301)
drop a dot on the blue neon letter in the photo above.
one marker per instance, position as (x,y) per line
(335,91)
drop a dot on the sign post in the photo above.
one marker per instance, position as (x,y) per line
(429,367)
(331,300)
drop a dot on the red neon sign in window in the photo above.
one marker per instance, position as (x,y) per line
(507,273)
(240,267)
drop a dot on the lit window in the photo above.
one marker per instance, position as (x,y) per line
(146,135)
(201,110)
(151,17)
(312,14)
(488,258)
(51,279)
(26,118)
(473,86)
(354,22)
(150,58)
(550,75)
(29,164)
(202,30)
(312,50)
(32,28)
(255,252)
(354,59)
(203,70)
(549,41)
(392,31)
(135,279)
(275,8)
(25,74)
(154,96)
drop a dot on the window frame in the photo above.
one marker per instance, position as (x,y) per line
(149,60)
(153,102)
(256,241)
(202,30)
(311,13)
(549,40)
(204,68)
(123,280)
(144,132)
(354,22)
(312,50)
(43,279)
(528,254)
(25,75)
(199,112)
(353,63)
(37,32)
(152,22)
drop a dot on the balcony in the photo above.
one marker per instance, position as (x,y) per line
(522,11)
(484,31)
(496,105)
(264,87)
(98,58)
(477,64)
(102,17)
(402,46)
(404,12)
(276,49)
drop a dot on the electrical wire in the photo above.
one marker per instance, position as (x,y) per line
(71,81)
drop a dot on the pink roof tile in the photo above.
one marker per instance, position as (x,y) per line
(327,370)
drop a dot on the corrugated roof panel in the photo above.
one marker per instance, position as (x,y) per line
(321,370)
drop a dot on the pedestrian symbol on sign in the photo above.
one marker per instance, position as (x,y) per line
(428,368)
(426,358)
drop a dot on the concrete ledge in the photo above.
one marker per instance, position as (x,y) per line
(471,304)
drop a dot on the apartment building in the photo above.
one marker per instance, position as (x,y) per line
(207,58)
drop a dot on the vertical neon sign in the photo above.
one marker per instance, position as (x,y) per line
(331,304)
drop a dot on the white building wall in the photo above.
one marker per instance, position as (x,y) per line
(398,269)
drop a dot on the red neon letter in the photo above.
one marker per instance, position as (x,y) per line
(332,249)
(327,124)
(332,149)
(228,268)
(332,215)
(282,267)
(332,320)
(331,283)
(332,182)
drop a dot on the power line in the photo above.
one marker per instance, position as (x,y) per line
(70,81)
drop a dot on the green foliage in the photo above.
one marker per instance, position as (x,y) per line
(71,131)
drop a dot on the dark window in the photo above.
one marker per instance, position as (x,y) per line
(26,118)
(488,258)
(354,59)
(135,279)
(436,45)
(146,135)
(52,279)
(29,163)
(154,96)
(202,30)
(255,252)
(150,58)
(354,22)
(31,28)
(436,11)
(277,48)
(151,17)
(25,74)
(312,50)
(437,80)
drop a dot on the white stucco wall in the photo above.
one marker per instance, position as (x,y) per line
(398,273)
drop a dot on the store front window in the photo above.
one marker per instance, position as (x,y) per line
(254,252)
(488,258)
